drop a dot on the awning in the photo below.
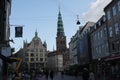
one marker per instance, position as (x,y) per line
(112,58)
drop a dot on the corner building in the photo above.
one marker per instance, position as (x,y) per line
(35,53)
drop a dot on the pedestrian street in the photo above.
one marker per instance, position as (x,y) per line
(58,76)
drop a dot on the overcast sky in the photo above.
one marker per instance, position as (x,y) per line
(96,10)
(42,15)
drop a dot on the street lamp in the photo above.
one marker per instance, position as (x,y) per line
(78,22)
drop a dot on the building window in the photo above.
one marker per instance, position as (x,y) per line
(32,59)
(116,28)
(119,5)
(105,32)
(98,35)
(99,49)
(113,46)
(102,49)
(99,23)
(32,55)
(95,37)
(104,18)
(114,10)
(41,59)
(96,50)
(36,54)
(36,59)
(41,50)
(101,34)
(41,55)
(95,26)
(28,50)
(108,15)
(110,31)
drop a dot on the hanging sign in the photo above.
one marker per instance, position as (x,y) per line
(18,31)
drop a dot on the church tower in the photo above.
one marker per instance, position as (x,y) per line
(61,38)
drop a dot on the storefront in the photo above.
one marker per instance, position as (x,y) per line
(113,66)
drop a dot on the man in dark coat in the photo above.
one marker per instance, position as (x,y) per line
(51,74)
(85,74)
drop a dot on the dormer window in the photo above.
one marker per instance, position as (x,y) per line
(104,19)
(108,15)
(114,10)
(99,23)
(95,26)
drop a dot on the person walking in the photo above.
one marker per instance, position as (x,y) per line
(85,74)
(91,77)
(62,74)
(46,74)
(51,74)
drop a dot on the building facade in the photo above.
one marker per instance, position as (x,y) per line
(73,49)
(83,45)
(99,40)
(35,53)
(99,45)
(51,61)
(112,11)
(5,10)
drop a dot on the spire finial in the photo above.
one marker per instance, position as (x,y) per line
(36,33)
(59,7)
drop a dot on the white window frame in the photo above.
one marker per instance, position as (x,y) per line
(114,10)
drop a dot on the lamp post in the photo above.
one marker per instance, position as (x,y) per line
(78,22)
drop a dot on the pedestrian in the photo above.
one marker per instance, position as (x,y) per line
(62,74)
(76,73)
(91,76)
(46,74)
(51,74)
(85,74)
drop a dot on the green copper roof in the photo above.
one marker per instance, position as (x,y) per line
(60,29)
(36,36)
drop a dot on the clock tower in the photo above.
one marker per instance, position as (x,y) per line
(61,38)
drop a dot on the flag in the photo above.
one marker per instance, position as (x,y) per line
(18,31)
